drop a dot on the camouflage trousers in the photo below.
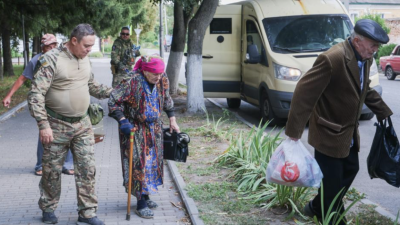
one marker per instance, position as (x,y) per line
(79,138)
(118,77)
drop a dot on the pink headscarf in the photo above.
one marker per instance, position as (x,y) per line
(153,64)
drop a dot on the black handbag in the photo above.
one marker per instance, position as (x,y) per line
(384,158)
(176,146)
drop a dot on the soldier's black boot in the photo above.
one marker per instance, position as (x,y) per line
(91,221)
(49,218)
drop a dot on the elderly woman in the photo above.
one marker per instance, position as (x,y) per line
(138,102)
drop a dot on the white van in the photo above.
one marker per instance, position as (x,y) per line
(257,50)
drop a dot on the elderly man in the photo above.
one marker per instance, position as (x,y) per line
(330,96)
(48,42)
(122,57)
(59,101)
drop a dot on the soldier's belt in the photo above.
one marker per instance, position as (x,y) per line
(64,118)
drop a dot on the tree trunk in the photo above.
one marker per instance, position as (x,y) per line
(197,29)
(100,42)
(1,64)
(27,47)
(36,49)
(177,46)
(8,67)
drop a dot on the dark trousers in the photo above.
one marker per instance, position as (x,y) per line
(338,174)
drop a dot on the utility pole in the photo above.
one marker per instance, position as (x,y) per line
(137,32)
(161,34)
(165,18)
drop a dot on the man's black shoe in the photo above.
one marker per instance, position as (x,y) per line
(310,212)
(49,218)
(91,221)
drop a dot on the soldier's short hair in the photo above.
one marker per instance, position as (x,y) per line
(124,28)
(82,30)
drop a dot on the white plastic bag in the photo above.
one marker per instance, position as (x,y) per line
(292,165)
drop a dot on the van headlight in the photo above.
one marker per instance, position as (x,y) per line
(374,69)
(286,73)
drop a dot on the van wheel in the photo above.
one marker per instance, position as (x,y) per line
(233,103)
(389,73)
(367,116)
(266,110)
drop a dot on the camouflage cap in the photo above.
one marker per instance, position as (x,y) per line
(48,39)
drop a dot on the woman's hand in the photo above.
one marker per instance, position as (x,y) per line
(173,125)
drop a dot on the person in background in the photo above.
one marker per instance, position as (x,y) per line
(139,102)
(48,42)
(59,100)
(122,57)
(330,96)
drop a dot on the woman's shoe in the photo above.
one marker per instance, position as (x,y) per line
(145,213)
(151,204)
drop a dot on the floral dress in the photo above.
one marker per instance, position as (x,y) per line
(142,105)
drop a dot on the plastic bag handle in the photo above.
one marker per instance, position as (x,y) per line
(390,121)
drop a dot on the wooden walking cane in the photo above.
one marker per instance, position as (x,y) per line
(131,139)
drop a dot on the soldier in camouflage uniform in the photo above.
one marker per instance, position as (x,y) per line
(59,100)
(122,57)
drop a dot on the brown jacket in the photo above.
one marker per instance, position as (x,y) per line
(329,96)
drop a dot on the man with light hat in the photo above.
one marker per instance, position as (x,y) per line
(330,96)
(48,42)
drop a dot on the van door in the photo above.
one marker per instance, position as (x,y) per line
(254,62)
(221,54)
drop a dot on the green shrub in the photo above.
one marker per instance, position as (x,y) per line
(385,50)
(96,55)
(15,54)
(377,18)
(148,45)
(107,47)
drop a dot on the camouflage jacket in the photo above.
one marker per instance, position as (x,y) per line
(122,56)
(47,68)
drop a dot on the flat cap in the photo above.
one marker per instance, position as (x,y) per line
(372,30)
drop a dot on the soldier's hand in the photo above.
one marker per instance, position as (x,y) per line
(6,102)
(46,136)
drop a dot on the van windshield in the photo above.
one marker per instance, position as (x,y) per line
(310,33)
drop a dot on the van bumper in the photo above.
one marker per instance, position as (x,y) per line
(365,109)
(280,102)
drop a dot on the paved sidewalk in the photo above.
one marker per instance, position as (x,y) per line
(19,192)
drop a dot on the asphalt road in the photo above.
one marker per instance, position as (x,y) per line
(376,190)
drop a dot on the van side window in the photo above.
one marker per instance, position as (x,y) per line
(253,37)
(221,26)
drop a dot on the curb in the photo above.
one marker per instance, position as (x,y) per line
(12,111)
(378,208)
(188,201)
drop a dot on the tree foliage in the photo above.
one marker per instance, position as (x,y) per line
(60,16)
(145,21)
(377,18)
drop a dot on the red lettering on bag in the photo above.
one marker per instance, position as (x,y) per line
(290,172)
